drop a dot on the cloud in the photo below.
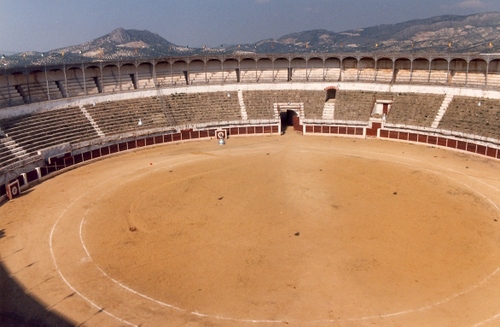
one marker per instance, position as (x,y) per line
(472,4)
(262,1)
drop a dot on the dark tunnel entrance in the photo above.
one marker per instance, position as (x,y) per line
(290,118)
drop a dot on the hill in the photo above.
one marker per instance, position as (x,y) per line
(459,34)
(476,33)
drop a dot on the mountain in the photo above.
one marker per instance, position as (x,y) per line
(122,43)
(458,34)
(476,33)
(119,44)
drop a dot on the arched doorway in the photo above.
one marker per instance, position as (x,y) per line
(290,114)
(289,118)
(331,93)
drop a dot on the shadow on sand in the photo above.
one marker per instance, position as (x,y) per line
(20,309)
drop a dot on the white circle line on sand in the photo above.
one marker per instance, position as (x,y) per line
(316,321)
(428,169)
(64,278)
(115,281)
(54,260)
(487,320)
(196,313)
(467,186)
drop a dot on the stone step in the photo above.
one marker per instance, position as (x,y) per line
(243,109)
(442,110)
(329,110)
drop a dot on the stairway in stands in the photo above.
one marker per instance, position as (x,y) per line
(168,115)
(243,109)
(442,110)
(329,110)
(14,148)
(92,121)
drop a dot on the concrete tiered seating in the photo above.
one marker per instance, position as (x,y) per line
(248,76)
(178,79)
(299,74)
(127,82)
(350,75)
(49,128)
(76,86)
(24,92)
(332,74)
(145,80)
(230,76)
(198,78)
(265,76)
(476,79)
(123,116)
(314,102)
(37,92)
(403,76)
(6,156)
(415,109)
(476,116)
(192,108)
(164,78)
(420,76)
(459,79)
(494,79)
(216,77)
(281,75)
(109,83)
(56,90)
(438,77)
(222,77)
(316,74)
(112,83)
(260,104)
(15,98)
(171,79)
(384,75)
(145,83)
(367,75)
(354,105)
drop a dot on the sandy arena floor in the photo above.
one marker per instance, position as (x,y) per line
(264,231)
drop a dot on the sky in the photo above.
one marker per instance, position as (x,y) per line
(33,25)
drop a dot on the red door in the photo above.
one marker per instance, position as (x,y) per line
(296,124)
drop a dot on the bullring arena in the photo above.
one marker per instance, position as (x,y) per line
(351,191)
